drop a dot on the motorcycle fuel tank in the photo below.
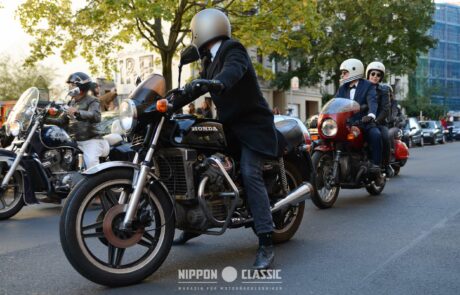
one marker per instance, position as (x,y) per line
(200,133)
(54,137)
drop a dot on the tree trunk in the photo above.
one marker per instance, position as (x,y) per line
(166,61)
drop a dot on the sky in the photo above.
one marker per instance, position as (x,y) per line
(15,43)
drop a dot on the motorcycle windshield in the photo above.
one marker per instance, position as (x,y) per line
(24,109)
(340,105)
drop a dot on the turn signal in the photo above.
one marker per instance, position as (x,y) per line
(162,105)
(52,111)
(314,137)
(350,136)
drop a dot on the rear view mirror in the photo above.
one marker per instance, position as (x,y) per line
(189,54)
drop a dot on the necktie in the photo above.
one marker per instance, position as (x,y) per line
(205,61)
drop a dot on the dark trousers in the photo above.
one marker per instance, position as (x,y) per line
(374,139)
(386,145)
(256,192)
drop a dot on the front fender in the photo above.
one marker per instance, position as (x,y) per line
(8,157)
(154,180)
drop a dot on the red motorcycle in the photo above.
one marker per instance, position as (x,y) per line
(399,150)
(342,158)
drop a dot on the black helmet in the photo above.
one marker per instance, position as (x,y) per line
(82,80)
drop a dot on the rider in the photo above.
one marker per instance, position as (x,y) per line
(375,72)
(81,116)
(353,86)
(243,111)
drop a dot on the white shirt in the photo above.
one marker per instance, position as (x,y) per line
(214,49)
(353,91)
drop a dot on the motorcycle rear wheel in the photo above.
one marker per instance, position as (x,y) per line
(287,221)
(325,194)
(87,241)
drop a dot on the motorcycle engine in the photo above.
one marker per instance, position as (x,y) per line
(217,184)
(51,160)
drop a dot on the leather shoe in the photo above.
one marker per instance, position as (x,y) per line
(264,257)
(389,171)
(184,237)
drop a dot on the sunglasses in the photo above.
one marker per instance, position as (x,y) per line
(376,74)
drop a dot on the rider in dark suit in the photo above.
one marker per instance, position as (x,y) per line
(227,68)
(363,92)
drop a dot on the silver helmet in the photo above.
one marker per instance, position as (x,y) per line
(209,24)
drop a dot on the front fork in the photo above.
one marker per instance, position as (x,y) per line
(19,155)
(336,168)
(140,179)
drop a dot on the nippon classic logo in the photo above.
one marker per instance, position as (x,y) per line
(229,279)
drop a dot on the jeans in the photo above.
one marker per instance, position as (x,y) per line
(256,192)
(386,145)
(92,150)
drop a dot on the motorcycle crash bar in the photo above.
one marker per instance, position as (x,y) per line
(300,194)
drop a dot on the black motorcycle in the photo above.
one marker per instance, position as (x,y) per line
(183,177)
(43,162)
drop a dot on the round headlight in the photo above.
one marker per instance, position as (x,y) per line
(329,127)
(128,115)
(14,128)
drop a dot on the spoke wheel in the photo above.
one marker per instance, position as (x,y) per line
(11,198)
(325,193)
(95,242)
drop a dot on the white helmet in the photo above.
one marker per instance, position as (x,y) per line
(355,67)
(209,24)
(375,66)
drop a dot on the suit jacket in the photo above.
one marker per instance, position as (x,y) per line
(383,110)
(241,107)
(365,95)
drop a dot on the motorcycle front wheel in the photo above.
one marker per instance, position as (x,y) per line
(11,199)
(325,193)
(93,240)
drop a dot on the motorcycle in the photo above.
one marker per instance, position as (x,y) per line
(341,158)
(43,162)
(399,150)
(184,177)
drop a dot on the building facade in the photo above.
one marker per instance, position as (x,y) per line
(438,72)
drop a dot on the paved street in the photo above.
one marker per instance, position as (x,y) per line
(406,241)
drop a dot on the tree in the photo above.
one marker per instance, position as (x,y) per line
(393,32)
(16,78)
(419,100)
(100,28)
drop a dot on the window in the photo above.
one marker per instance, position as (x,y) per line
(438,51)
(438,31)
(453,70)
(437,69)
(453,51)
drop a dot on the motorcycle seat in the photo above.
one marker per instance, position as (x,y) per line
(291,132)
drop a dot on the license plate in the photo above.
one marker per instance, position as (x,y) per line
(426,134)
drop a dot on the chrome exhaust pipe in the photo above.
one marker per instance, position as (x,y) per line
(300,194)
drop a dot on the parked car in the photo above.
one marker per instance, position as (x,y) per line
(413,133)
(432,132)
(456,131)
(306,134)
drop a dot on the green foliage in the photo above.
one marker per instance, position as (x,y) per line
(16,78)
(417,101)
(99,29)
(393,32)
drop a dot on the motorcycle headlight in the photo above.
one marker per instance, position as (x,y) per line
(14,128)
(329,127)
(128,115)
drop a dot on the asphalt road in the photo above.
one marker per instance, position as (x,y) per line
(405,241)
